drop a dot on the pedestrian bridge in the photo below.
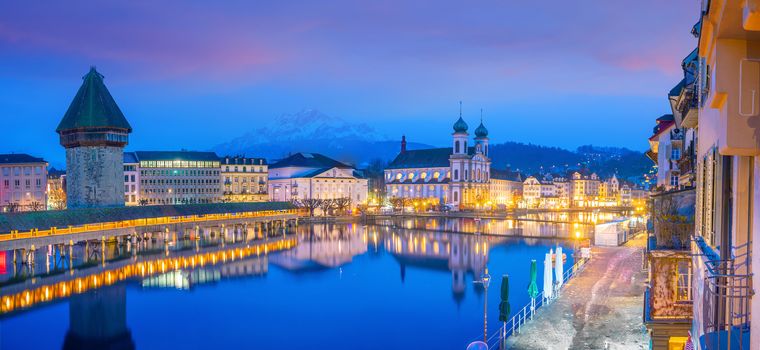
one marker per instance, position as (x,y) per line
(27,230)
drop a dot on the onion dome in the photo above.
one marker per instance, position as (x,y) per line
(481,131)
(460,125)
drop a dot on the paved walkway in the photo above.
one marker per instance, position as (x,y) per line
(599,309)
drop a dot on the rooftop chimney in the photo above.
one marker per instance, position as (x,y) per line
(403,143)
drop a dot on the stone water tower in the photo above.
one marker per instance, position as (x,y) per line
(94,133)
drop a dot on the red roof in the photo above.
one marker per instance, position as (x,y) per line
(661,127)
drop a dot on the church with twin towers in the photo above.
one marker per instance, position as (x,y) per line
(458,176)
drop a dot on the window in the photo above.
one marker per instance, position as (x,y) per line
(674,180)
(683,280)
(456,146)
(436,175)
(675,154)
(456,174)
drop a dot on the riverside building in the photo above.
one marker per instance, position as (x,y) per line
(459,175)
(244,179)
(171,177)
(23,182)
(304,176)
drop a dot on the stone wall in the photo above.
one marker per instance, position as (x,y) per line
(94,177)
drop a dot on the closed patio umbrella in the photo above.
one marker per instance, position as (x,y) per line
(504,305)
(533,287)
(558,269)
(548,285)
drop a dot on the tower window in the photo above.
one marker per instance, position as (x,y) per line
(456,146)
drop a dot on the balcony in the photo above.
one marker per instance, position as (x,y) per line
(726,307)
(673,219)
(722,295)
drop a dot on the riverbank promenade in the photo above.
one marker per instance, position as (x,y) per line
(598,309)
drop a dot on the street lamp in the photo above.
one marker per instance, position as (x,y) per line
(485,280)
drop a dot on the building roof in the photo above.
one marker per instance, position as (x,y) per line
(43,220)
(309,160)
(422,158)
(238,160)
(661,127)
(676,90)
(130,158)
(93,107)
(176,155)
(506,175)
(665,118)
(19,158)
(481,130)
(460,125)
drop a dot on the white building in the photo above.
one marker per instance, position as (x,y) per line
(665,147)
(171,177)
(23,182)
(312,175)
(458,175)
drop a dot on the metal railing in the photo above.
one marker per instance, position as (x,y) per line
(726,306)
(515,323)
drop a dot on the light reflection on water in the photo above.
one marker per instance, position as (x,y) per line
(346,286)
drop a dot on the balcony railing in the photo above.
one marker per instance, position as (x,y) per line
(726,306)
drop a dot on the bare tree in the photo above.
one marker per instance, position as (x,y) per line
(342,204)
(143,202)
(36,206)
(326,206)
(12,207)
(311,204)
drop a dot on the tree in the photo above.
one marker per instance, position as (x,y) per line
(311,204)
(143,202)
(399,203)
(57,199)
(12,207)
(36,206)
(342,204)
(326,206)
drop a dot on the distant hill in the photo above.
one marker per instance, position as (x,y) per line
(312,131)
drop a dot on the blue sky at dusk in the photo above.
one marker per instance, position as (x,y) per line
(193,74)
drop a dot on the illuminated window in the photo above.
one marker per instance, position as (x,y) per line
(423,175)
(683,280)
(436,175)
(410,176)
(398,176)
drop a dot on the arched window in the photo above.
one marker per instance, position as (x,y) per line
(456,146)
(456,174)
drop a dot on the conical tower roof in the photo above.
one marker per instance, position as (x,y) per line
(93,107)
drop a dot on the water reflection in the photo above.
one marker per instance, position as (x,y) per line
(98,320)
(392,271)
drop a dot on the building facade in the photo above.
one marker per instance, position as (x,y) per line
(171,177)
(244,179)
(304,176)
(458,176)
(725,258)
(94,132)
(23,182)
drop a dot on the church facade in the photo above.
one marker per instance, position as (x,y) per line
(458,176)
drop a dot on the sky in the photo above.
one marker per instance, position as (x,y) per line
(194,74)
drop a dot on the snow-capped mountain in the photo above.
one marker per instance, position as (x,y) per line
(313,131)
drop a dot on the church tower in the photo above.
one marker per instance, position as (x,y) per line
(459,161)
(94,133)
(481,136)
